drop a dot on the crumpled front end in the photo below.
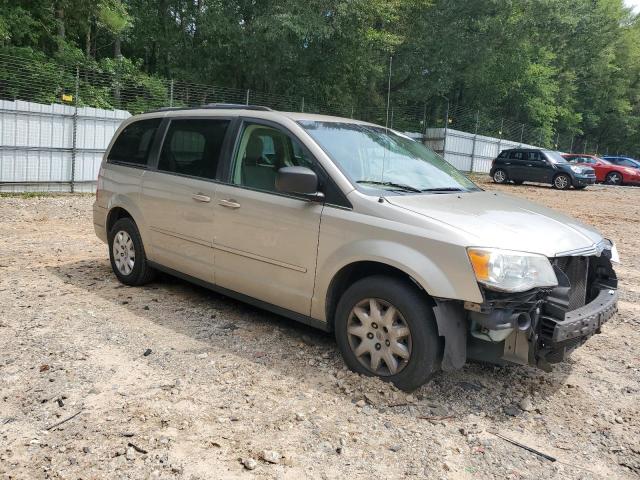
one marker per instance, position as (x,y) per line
(543,326)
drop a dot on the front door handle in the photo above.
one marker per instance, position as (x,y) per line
(229,203)
(199,197)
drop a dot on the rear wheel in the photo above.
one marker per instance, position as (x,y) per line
(385,327)
(614,178)
(561,182)
(500,176)
(126,252)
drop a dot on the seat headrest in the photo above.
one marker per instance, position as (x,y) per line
(254,151)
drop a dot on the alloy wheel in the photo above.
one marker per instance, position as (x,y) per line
(499,176)
(379,337)
(561,182)
(124,254)
(615,179)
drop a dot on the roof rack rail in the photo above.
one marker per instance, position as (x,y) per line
(237,106)
(217,106)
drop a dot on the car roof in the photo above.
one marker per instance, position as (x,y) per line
(255,111)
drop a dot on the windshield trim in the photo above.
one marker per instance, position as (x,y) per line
(360,186)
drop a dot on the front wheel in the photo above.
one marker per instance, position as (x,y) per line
(561,182)
(385,327)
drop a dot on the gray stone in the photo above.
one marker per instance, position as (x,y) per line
(271,456)
(249,463)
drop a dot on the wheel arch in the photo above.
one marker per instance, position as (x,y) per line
(355,271)
(122,206)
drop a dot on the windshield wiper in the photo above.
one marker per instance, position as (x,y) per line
(444,189)
(397,186)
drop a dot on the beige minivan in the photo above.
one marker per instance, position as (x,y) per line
(352,228)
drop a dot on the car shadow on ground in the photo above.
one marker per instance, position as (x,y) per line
(287,346)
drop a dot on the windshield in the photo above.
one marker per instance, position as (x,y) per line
(555,157)
(378,159)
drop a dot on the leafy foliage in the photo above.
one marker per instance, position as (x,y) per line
(569,67)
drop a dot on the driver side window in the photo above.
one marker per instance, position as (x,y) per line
(261,153)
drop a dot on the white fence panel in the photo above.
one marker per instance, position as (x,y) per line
(36,145)
(467,151)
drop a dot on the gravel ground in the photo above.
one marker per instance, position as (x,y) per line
(173,381)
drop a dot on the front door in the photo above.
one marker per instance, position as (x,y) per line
(266,242)
(177,196)
(539,169)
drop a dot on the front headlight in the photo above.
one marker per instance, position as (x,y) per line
(576,169)
(510,271)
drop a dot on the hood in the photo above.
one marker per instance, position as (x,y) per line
(502,221)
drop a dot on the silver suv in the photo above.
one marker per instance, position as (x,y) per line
(352,228)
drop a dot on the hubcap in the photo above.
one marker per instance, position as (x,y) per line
(615,178)
(561,181)
(124,254)
(499,176)
(379,337)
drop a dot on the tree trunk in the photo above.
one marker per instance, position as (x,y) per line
(60,22)
(87,41)
(116,47)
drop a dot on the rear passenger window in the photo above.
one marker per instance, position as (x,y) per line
(134,142)
(517,155)
(192,147)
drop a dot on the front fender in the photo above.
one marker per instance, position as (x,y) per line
(443,270)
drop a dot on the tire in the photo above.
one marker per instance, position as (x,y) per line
(561,182)
(413,314)
(613,178)
(131,266)
(518,182)
(500,176)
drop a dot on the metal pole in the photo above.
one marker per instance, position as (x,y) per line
(424,120)
(247,102)
(521,134)
(500,134)
(75,132)
(302,106)
(571,147)
(446,131)
(391,124)
(557,140)
(585,146)
(351,111)
(171,94)
(475,136)
(389,91)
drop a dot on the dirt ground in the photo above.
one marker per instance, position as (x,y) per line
(173,381)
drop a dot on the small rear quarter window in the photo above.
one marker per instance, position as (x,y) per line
(134,142)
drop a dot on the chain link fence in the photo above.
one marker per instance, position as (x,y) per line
(119,87)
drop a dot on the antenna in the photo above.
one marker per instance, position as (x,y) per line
(386,126)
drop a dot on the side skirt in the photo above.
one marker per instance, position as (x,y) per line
(298,317)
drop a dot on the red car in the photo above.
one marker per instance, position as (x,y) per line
(606,172)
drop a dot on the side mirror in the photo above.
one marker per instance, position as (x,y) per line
(300,180)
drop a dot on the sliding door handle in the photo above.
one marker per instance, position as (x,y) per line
(199,197)
(229,203)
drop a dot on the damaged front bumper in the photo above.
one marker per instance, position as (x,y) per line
(539,327)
